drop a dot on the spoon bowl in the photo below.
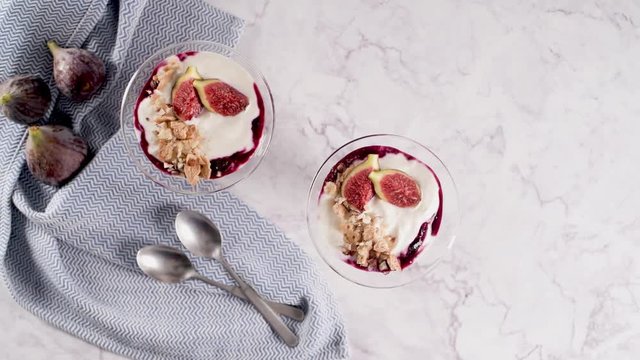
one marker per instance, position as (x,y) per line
(199,234)
(165,264)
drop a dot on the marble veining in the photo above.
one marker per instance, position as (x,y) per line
(534,108)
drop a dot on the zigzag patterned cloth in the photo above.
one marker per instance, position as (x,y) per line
(68,255)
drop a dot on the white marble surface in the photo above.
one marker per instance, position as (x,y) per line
(534,107)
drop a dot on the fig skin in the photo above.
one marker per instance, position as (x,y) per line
(24,99)
(78,73)
(54,153)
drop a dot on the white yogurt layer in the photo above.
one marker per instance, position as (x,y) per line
(402,223)
(222,136)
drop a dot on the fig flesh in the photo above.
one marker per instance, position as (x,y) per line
(356,188)
(78,73)
(220,97)
(54,153)
(184,97)
(396,187)
(24,98)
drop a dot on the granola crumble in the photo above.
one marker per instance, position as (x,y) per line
(179,142)
(364,236)
(165,76)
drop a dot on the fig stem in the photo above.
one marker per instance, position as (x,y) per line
(53,46)
(5,98)
(34,134)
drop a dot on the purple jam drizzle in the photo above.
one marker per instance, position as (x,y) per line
(417,245)
(221,166)
(185,55)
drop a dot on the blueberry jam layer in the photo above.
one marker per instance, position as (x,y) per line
(414,249)
(220,166)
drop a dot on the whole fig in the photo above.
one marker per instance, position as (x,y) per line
(78,73)
(24,98)
(54,153)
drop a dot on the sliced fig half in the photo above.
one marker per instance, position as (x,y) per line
(184,97)
(356,188)
(220,97)
(396,188)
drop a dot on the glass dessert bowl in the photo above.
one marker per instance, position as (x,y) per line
(197,117)
(382,211)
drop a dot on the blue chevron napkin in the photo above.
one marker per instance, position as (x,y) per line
(68,255)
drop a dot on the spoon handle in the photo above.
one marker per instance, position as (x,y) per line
(287,310)
(282,309)
(263,308)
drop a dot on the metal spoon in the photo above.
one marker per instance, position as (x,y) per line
(172,266)
(198,234)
